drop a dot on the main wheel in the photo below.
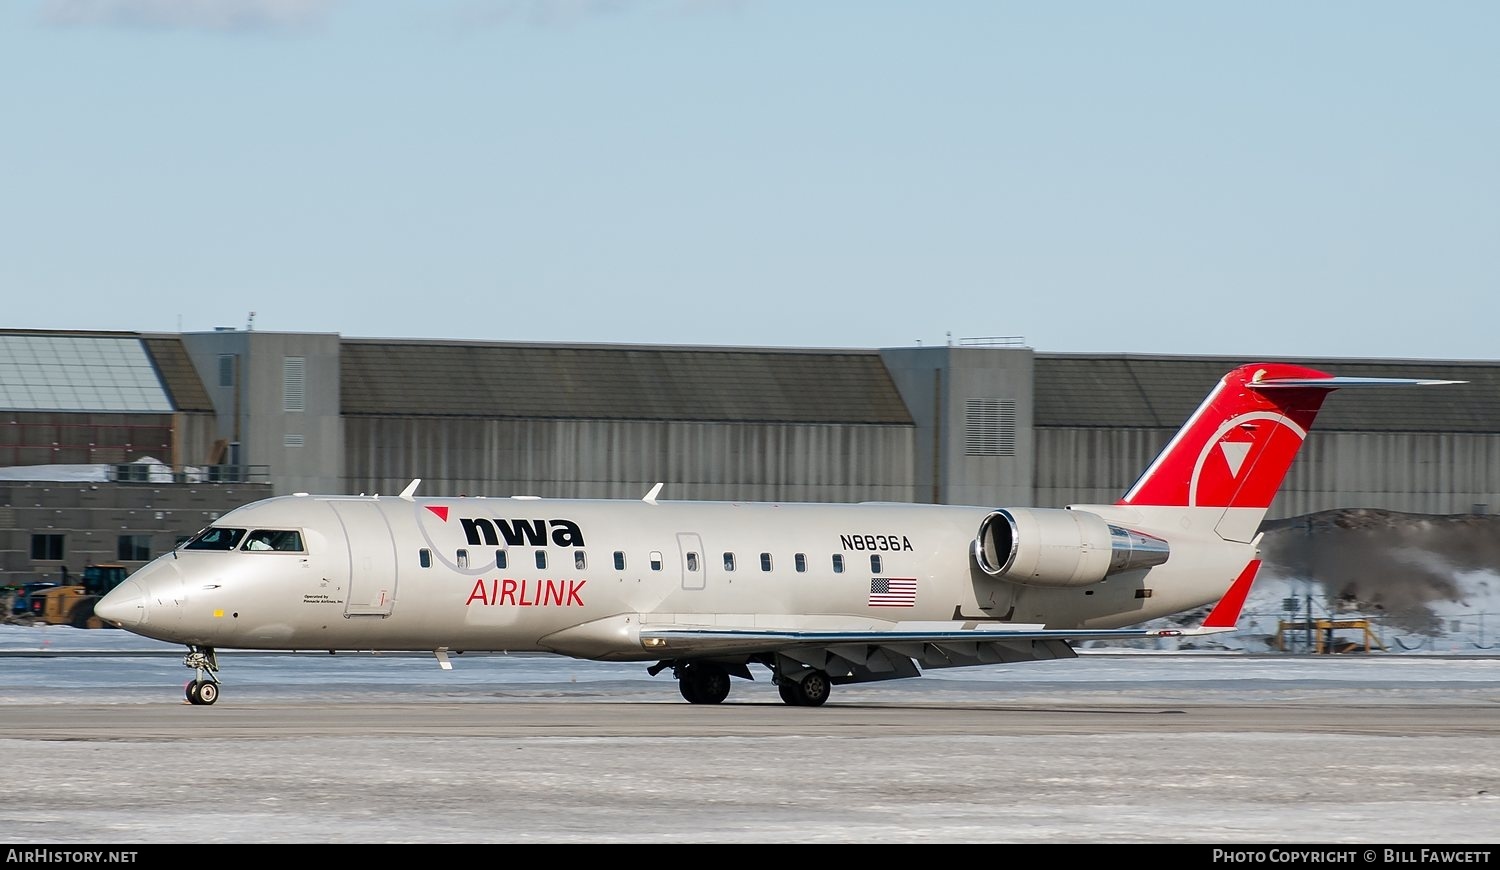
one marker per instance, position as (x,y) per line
(812,691)
(815,689)
(713,683)
(703,683)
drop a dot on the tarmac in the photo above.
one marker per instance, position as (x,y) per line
(1126,749)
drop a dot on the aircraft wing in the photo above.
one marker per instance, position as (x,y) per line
(717,640)
(903,650)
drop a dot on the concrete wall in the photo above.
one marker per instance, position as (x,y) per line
(938,383)
(302,448)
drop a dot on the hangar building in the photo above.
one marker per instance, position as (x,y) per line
(119,445)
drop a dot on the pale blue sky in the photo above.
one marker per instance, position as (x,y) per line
(1269,179)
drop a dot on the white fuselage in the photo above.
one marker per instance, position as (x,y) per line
(579,577)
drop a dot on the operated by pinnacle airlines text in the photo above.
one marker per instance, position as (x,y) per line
(1351,856)
(63,856)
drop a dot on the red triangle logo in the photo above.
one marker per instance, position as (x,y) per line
(440,510)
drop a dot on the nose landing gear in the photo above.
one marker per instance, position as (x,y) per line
(204,687)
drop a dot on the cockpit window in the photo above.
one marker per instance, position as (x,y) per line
(214,538)
(281,540)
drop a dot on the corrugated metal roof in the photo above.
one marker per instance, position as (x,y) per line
(178,375)
(618,382)
(1160,392)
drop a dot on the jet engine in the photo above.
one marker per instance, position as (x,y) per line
(1060,548)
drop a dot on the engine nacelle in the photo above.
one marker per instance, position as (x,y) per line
(1060,548)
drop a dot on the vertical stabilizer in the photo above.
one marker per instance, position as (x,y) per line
(1234,451)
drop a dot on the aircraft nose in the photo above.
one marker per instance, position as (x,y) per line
(123,606)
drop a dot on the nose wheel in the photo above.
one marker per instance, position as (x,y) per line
(203,689)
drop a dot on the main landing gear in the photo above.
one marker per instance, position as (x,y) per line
(706,682)
(204,687)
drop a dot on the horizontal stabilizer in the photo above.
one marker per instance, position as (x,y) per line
(1340,383)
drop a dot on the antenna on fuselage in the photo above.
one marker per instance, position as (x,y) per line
(651,496)
(410,488)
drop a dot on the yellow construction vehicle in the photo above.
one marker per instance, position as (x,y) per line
(73,604)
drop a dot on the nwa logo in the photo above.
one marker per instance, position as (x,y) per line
(517,533)
(1242,464)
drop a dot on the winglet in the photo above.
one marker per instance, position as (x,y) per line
(410,489)
(651,496)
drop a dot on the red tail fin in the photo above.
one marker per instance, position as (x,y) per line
(1235,450)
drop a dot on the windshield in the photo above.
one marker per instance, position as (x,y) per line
(214,538)
(284,540)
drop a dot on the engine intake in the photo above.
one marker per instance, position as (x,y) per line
(1060,548)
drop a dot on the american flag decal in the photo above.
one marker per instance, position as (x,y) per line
(893,591)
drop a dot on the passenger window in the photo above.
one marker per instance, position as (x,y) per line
(838,563)
(765,561)
(580,560)
(463,558)
(424,556)
(692,562)
(541,558)
(728,561)
(655,560)
(619,560)
(801,562)
(875,563)
(500,560)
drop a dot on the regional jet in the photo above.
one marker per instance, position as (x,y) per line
(817,594)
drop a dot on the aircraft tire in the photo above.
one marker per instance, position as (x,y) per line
(713,684)
(811,691)
(703,683)
(814,689)
(202,692)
